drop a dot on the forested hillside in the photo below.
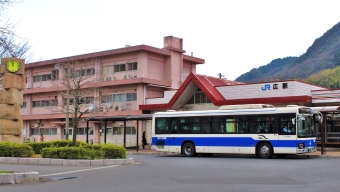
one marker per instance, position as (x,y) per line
(323,54)
(327,78)
(265,72)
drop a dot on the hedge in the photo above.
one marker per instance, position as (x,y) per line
(38,146)
(8,149)
(100,151)
(112,151)
(70,153)
(63,150)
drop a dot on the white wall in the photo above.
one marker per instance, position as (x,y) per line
(249,91)
(167,97)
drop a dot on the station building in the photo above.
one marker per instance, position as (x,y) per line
(137,80)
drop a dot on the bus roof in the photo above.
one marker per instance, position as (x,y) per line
(241,109)
(248,106)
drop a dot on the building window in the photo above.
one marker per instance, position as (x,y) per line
(199,97)
(34,131)
(84,72)
(131,97)
(23,105)
(107,70)
(39,78)
(90,71)
(132,66)
(120,130)
(35,103)
(45,103)
(71,101)
(54,102)
(80,72)
(107,99)
(82,131)
(88,100)
(130,130)
(119,68)
(119,98)
(55,75)
(45,131)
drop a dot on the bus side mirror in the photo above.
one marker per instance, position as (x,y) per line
(319,117)
(293,121)
(300,118)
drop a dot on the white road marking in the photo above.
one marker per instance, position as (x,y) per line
(79,171)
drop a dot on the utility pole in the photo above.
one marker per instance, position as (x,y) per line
(67,100)
(56,66)
(220,75)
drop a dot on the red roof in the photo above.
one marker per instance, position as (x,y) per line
(207,84)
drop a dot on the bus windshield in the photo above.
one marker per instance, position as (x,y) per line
(306,127)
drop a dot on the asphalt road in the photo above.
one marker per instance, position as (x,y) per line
(176,173)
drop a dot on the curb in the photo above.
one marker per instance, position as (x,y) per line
(73,162)
(15,178)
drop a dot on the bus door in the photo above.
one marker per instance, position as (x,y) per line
(166,132)
(287,134)
(172,140)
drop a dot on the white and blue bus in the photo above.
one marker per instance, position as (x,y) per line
(259,129)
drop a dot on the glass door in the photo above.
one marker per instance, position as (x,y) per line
(70,133)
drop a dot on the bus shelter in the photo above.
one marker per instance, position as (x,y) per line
(329,132)
(138,118)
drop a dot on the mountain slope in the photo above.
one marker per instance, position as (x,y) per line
(265,72)
(323,54)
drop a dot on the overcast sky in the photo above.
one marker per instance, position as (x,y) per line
(232,36)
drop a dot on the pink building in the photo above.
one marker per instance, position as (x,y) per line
(118,80)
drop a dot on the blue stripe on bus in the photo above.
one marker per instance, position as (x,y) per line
(231,141)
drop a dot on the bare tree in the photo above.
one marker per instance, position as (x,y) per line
(11,45)
(79,82)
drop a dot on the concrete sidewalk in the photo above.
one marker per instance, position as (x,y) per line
(330,153)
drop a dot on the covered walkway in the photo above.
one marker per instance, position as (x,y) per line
(138,118)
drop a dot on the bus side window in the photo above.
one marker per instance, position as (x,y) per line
(206,128)
(286,127)
(162,126)
(173,123)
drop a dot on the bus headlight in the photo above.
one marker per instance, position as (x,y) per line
(301,145)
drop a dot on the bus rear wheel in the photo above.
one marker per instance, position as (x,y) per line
(264,150)
(189,149)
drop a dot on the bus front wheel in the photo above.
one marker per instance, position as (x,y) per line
(189,149)
(264,150)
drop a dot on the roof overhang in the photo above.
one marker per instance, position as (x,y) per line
(326,109)
(121,118)
(100,54)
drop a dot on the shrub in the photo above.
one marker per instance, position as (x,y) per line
(67,143)
(93,147)
(70,153)
(8,149)
(112,151)
(38,146)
